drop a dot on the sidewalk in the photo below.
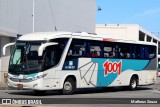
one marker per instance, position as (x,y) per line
(3,86)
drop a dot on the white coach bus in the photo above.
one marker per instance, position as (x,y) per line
(66,61)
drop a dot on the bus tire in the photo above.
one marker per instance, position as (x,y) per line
(68,87)
(133,83)
(39,92)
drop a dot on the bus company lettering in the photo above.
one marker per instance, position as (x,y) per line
(110,67)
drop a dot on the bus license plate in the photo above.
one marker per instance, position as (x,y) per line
(20,86)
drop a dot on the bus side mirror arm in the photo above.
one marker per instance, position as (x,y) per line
(5,46)
(43,46)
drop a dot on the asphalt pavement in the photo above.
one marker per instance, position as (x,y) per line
(156,86)
(150,91)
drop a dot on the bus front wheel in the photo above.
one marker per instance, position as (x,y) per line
(68,86)
(133,83)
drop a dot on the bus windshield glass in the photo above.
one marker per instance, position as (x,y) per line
(25,59)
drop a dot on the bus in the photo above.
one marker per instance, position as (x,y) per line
(66,61)
(158,71)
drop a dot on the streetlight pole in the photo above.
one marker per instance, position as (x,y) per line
(33,15)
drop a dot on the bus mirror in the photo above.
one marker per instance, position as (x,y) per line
(5,46)
(43,46)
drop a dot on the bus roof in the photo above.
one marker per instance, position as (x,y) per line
(40,36)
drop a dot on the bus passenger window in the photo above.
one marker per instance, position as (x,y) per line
(95,49)
(132,52)
(95,54)
(77,48)
(151,52)
(128,55)
(151,55)
(107,51)
(111,54)
(121,55)
(146,53)
(133,55)
(76,51)
(142,52)
(106,55)
(70,53)
(138,53)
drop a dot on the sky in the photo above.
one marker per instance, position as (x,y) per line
(146,13)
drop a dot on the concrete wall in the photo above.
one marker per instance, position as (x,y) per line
(66,15)
(126,31)
(4,60)
(123,31)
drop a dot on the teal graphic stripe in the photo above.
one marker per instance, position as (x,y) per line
(127,64)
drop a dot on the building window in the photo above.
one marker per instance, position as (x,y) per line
(141,36)
(155,41)
(158,47)
(149,39)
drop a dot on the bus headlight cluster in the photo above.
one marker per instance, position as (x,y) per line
(38,77)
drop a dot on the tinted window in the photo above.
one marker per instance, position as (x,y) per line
(77,48)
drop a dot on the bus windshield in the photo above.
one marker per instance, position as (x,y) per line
(158,67)
(25,59)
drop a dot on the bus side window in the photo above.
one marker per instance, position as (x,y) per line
(75,51)
(124,50)
(95,54)
(142,52)
(106,55)
(77,48)
(95,49)
(116,52)
(111,54)
(132,56)
(121,55)
(70,52)
(107,50)
(138,52)
(151,52)
(146,53)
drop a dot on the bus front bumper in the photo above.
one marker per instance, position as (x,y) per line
(37,84)
(33,85)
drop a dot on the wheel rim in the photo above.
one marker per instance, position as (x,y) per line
(134,84)
(68,86)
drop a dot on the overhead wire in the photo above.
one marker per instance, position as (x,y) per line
(52,15)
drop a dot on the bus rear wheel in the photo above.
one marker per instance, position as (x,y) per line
(68,86)
(133,83)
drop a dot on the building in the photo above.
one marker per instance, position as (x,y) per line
(49,15)
(5,37)
(132,32)
(16,17)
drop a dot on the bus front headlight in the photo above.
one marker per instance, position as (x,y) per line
(38,77)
